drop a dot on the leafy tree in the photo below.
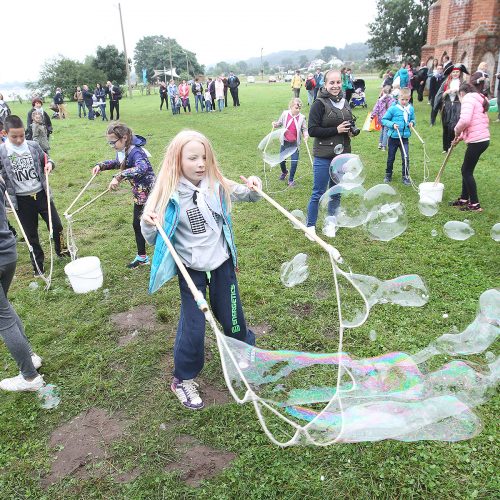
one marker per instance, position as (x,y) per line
(222,67)
(328,52)
(111,63)
(287,62)
(400,26)
(240,67)
(67,74)
(303,60)
(153,52)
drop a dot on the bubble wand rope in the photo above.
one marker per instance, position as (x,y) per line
(80,194)
(51,227)
(86,204)
(426,156)
(441,170)
(405,156)
(250,394)
(21,228)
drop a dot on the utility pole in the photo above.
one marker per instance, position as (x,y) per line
(170,56)
(126,57)
(261,66)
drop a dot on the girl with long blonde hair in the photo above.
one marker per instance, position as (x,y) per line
(191,200)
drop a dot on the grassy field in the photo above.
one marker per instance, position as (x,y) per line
(82,355)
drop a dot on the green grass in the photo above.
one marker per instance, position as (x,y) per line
(79,345)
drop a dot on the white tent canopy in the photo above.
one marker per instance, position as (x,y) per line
(166,72)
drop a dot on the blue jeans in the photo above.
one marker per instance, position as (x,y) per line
(310,96)
(208,106)
(81,105)
(220,103)
(198,98)
(394,145)
(294,159)
(322,181)
(189,347)
(102,107)
(383,136)
(91,112)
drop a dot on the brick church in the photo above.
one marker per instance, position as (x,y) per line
(468,31)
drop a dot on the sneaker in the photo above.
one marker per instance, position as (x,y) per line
(283,175)
(379,145)
(36,360)
(459,202)
(37,274)
(138,262)
(64,253)
(387,178)
(383,148)
(472,207)
(291,184)
(19,383)
(406,181)
(311,230)
(187,393)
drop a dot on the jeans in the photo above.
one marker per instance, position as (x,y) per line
(316,90)
(189,348)
(91,112)
(235,96)
(384,131)
(208,106)
(81,106)
(322,181)
(186,104)
(220,104)
(310,96)
(198,98)
(102,107)
(394,145)
(472,153)
(294,159)
(114,105)
(11,327)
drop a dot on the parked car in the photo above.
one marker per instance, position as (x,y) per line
(250,79)
(288,78)
(272,79)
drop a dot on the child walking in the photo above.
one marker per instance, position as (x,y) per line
(11,327)
(384,102)
(133,161)
(39,132)
(23,165)
(399,118)
(294,125)
(208,101)
(192,201)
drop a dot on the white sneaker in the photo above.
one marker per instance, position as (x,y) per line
(311,230)
(19,383)
(187,393)
(36,360)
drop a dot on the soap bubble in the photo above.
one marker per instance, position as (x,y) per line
(386,217)
(434,233)
(338,149)
(49,396)
(495,232)
(273,152)
(33,285)
(490,357)
(298,214)
(372,335)
(295,271)
(346,203)
(428,207)
(347,169)
(457,230)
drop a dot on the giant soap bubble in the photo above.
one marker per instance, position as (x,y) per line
(272,151)
(457,230)
(346,203)
(386,217)
(347,169)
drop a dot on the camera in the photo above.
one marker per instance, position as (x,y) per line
(352,128)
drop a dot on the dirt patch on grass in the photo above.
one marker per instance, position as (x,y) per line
(132,322)
(212,395)
(82,443)
(261,329)
(301,310)
(198,462)
(323,292)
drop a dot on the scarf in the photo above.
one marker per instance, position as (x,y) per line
(405,110)
(205,199)
(18,150)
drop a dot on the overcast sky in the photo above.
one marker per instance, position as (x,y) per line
(34,31)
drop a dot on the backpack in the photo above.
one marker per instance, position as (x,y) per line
(309,85)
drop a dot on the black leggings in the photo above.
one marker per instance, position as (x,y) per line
(136,224)
(164,99)
(472,153)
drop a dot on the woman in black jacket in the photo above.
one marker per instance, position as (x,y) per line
(38,106)
(330,123)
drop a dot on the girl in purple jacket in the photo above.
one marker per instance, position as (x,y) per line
(133,162)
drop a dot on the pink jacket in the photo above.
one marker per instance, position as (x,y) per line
(473,125)
(184,91)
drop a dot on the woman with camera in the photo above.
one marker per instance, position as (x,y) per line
(332,125)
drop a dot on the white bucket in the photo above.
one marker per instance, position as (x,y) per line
(430,192)
(84,274)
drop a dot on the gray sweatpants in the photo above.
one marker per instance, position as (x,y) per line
(11,328)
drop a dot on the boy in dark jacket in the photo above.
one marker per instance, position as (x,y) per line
(23,165)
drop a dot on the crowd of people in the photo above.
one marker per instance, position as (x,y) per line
(191,199)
